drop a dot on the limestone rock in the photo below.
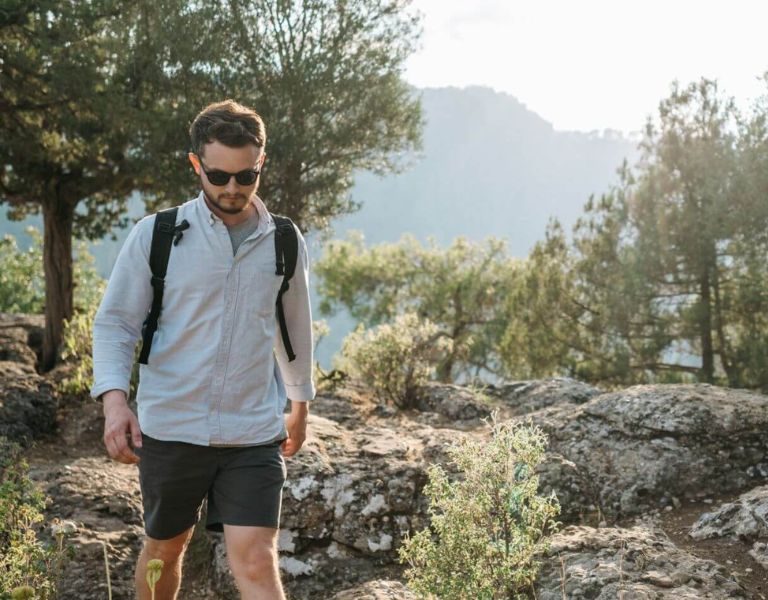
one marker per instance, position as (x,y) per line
(528,396)
(639,448)
(746,518)
(377,590)
(638,562)
(452,401)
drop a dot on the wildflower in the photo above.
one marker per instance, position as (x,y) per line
(154,572)
(62,528)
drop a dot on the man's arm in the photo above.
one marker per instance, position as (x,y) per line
(297,374)
(116,329)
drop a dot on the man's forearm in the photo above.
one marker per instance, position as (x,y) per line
(299,407)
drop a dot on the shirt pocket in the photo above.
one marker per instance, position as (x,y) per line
(260,286)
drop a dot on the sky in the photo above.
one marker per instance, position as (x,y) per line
(592,64)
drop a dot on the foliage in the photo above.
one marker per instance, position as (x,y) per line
(488,526)
(24,560)
(459,289)
(96,97)
(540,331)
(22,287)
(21,276)
(326,77)
(395,359)
(666,279)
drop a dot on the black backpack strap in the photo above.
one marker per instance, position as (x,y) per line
(162,238)
(286,255)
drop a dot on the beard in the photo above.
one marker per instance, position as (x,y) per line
(241,200)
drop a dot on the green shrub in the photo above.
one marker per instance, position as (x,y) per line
(488,526)
(22,285)
(24,560)
(22,278)
(395,359)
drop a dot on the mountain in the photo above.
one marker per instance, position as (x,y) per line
(489,166)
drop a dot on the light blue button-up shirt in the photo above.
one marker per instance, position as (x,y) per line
(212,376)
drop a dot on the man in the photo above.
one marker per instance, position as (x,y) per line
(211,397)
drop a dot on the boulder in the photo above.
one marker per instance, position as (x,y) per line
(28,403)
(744,519)
(452,401)
(648,446)
(21,338)
(523,397)
(638,562)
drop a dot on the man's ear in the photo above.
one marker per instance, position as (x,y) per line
(262,160)
(195,162)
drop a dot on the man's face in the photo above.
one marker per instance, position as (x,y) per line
(232,197)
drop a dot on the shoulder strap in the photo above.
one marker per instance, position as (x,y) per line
(286,255)
(160,251)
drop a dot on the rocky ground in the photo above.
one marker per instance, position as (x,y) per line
(663,488)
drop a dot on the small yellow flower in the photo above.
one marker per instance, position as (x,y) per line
(23,592)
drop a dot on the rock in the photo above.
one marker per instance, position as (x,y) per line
(376,590)
(638,446)
(746,518)
(350,497)
(528,396)
(21,338)
(575,495)
(638,562)
(452,401)
(27,403)
(759,552)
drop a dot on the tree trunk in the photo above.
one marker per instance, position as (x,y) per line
(58,216)
(722,341)
(705,329)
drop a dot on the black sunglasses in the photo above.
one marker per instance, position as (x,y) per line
(220,178)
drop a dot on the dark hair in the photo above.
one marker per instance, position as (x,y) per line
(228,122)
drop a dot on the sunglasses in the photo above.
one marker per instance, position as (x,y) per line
(220,178)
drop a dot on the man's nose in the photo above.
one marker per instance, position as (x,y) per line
(232,187)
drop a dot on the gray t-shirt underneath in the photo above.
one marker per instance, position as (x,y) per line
(240,232)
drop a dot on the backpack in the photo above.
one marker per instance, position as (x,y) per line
(167,233)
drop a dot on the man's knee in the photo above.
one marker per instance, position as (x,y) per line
(169,550)
(256,563)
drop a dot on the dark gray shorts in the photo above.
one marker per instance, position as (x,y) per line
(243,485)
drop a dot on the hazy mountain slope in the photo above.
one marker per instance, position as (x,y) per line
(490,166)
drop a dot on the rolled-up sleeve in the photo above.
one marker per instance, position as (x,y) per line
(297,374)
(118,321)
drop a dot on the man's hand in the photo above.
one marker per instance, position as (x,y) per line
(296,425)
(121,428)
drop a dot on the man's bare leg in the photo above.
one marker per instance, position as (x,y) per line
(171,552)
(252,554)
